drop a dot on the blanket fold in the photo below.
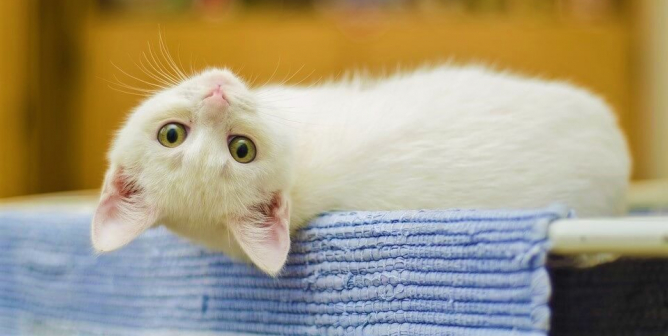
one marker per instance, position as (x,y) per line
(455,272)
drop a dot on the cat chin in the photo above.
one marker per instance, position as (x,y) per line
(214,237)
(218,234)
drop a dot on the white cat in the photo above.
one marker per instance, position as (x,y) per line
(237,169)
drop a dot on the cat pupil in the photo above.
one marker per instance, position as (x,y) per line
(172,135)
(242,151)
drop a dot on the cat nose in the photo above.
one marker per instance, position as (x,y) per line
(217,96)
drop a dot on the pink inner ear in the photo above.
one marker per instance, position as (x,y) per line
(122,215)
(268,244)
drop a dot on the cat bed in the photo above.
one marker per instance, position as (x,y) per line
(360,273)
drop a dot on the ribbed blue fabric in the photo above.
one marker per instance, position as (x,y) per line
(361,273)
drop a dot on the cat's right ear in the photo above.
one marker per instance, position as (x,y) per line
(123,212)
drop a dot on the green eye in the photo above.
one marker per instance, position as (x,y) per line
(172,135)
(242,149)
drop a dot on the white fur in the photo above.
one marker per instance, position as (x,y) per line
(438,138)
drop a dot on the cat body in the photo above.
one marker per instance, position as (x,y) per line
(434,138)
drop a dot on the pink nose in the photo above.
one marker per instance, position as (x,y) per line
(217,95)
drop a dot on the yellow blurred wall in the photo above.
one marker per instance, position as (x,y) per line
(652,126)
(59,113)
(14,135)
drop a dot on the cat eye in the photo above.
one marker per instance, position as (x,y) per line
(172,135)
(242,149)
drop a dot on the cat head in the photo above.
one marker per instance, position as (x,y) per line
(205,159)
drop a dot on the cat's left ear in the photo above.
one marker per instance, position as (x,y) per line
(123,212)
(267,244)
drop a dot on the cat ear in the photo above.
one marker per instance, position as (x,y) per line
(267,244)
(123,212)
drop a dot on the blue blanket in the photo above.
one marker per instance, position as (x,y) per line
(361,273)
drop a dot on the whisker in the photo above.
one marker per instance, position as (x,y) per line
(274,73)
(158,72)
(133,77)
(127,92)
(303,79)
(168,58)
(124,85)
(119,84)
(253,80)
(154,76)
(161,66)
(243,66)
(289,78)
(192,71)
(178,56)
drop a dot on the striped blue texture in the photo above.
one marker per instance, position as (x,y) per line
(365,273)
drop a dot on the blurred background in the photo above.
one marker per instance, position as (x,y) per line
(59,60)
